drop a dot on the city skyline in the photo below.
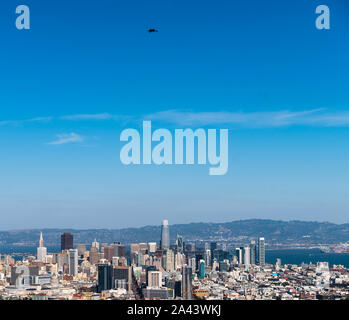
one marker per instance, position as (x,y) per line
(114,266)
(177,271)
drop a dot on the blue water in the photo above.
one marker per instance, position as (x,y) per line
(297,256)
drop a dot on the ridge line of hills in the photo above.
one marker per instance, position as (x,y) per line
(294,232)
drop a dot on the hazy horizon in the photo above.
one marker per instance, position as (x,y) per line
(170,224)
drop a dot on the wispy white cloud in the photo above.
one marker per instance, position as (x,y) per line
(39,119)
(67,138)
(319,117)
(18,122)
(6,122)
(313,117)
(97,116)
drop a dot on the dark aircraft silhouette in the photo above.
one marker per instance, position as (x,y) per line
(153,30)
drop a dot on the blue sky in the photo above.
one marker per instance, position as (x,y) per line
(86,70)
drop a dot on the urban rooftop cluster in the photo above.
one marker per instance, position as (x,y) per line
(169,271)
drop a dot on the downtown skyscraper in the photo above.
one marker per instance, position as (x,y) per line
(165,235)
(187,282)
(73,262)
(261,251)
(67,241)
(41,250)
(253,252)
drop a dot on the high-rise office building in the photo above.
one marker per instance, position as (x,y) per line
(253,252)
(23,276)
(81,249)
(155,279)
(247,256)
(143,247)
(165,235)
(119,249)
(108,253)
(208,257)
(202,269)
(140,259)
(200,255)
(261,252)
(122,277)
(122,250)
(213,247)
(41,251)
(179,260)
(239,255)
(134,248)
(73,262)
(186,282)
(170,260)
(151,247)
(101,247)
(192,263)
(220,255)
(179,243)
(67,241)
(95,244)
(62,260)
(93,256)
(105,277)
(116,261)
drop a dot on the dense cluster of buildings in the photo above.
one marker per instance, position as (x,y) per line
(165,271)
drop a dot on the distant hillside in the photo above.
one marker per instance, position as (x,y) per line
(284,232)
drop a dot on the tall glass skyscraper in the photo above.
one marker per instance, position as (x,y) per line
(239,254)
(105,277)
(180,247)
(253,252)
(247,256)
(73,262)
(202,269)
(67,241)
(213,247)
(186,282)
(165,235)
(261,252)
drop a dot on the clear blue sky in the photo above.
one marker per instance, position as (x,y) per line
(88,69)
